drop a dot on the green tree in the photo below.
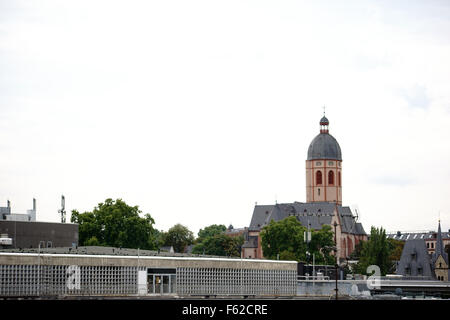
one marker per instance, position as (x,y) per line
(284,237)
(220,245)
(178,237)
(116,224)
(210,231)
(375,251)
(321,245)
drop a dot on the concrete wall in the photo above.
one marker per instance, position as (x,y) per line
(327,288)
(155,261)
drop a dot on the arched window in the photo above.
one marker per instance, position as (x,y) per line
(331,177)
(319,177)
(339,178)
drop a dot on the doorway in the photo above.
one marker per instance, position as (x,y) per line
(161,281)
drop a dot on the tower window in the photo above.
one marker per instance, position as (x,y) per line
(318,191)
(331,177)
(319,177)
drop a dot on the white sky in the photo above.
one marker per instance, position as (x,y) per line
(195,110)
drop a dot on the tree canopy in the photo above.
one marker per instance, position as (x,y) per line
(322,242)
(376,251)
(213,240)
(178,237)
(284,238)
(210,231)
(116,224)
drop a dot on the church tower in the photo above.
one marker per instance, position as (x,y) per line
(324,168)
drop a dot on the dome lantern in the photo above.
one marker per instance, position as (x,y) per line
(324,125)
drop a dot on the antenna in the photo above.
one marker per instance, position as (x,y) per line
(63,209)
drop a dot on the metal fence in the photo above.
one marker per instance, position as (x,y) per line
(54,280)
(228,281)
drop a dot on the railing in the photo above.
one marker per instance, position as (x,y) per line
(324,278)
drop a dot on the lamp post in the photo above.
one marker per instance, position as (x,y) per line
(336,253)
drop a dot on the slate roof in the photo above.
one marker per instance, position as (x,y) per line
(251,242)
(314,214)
(415,258)
(324,146)
(403,236)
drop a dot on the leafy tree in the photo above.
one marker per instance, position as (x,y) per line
(357,252)
(178,237)
(321,245)
(284,237)
(376,251)
(396,249)
(116,224)
(220,245)
(213,240)
(210,231)
(287,255)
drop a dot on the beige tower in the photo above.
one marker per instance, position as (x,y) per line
(324,168)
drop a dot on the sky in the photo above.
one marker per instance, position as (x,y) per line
(196,110)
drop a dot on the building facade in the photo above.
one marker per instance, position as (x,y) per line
(430,238)
(323,201)
(141,273)
(417,260)
(27,234)
(7,215)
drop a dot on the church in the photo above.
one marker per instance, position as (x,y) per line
(323,204)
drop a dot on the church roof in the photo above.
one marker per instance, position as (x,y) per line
(439,247)
(403,236)
(313,214)
(324,146)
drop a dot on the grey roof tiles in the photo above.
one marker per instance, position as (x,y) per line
(313,214)
(324,146)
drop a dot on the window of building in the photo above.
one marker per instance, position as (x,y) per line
(318,191)
(428,245)
(318,163)
(331,177)
(319,177)
(330,163)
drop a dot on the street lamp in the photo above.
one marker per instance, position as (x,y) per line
(336,253)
